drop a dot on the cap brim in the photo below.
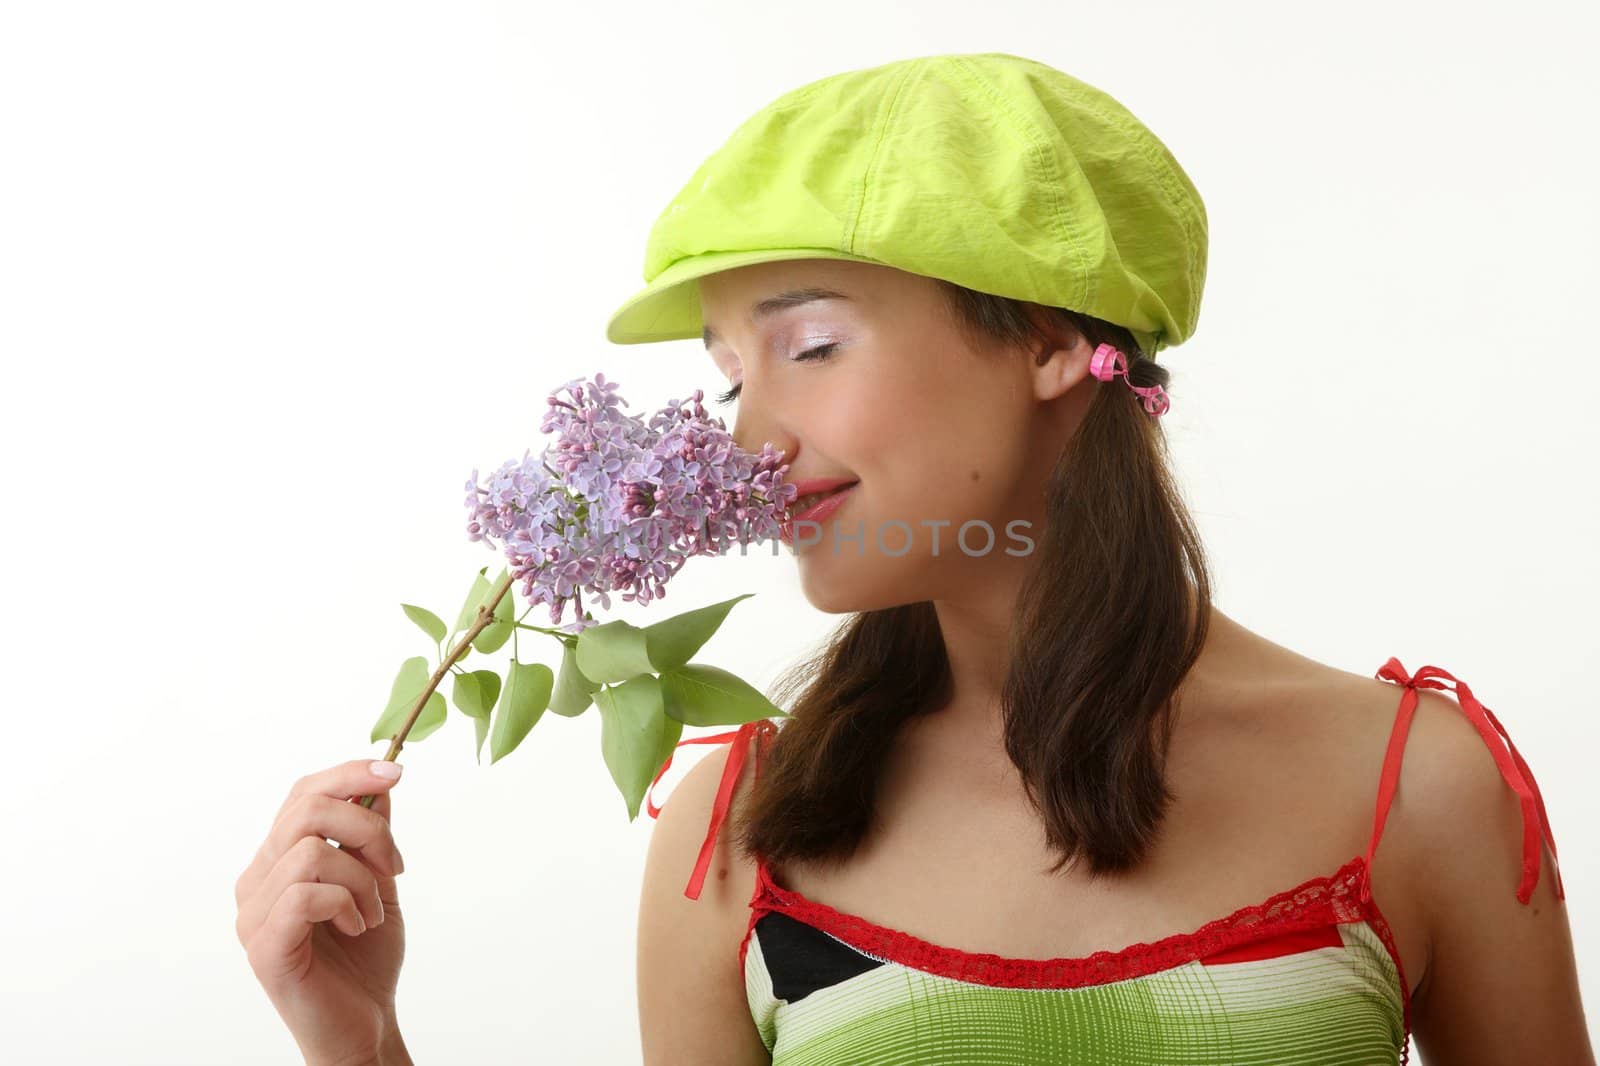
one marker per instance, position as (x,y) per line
(668,309)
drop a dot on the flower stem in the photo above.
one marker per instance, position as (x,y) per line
(542,629)
(464,645)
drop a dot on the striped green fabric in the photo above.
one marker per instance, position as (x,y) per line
(1329,1006)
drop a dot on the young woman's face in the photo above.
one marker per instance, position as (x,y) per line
(937,433)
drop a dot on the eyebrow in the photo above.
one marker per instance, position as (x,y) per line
(782,301)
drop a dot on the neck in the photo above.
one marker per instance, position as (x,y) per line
(976,644)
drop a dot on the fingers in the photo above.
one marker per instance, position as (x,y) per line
(280,946)
(313,861)
(318,804)
(353,778)
(382,807)
(363,832)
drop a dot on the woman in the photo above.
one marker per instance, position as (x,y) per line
(1039,800)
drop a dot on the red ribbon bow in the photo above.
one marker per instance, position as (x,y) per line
(1535,822)
(719,809)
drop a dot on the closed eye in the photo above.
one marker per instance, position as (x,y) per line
(821,351)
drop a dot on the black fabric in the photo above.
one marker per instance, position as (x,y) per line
(801,959)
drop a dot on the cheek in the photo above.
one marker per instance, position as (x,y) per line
(930,430)
(942,451)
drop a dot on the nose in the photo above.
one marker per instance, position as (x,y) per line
(757,424)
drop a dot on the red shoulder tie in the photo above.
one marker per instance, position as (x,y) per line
(1535,822)
(719,809)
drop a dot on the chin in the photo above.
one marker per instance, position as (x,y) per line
(854,587)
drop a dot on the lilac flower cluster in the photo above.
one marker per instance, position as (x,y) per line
(619,504)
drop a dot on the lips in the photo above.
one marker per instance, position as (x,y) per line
(813,502)
(802,503)
(814,490)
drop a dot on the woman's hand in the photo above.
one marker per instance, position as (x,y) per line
(321,925)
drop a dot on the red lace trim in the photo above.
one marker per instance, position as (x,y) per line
(1380,925)
(1318,902)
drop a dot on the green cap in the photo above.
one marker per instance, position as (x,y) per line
(992,171)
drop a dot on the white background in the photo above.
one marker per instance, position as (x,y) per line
(275,277)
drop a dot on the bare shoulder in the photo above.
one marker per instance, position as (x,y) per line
(1501,981)
(681,830)
(692,1005)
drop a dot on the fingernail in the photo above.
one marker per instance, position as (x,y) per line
(386,769)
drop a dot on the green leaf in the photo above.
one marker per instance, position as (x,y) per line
(696,694)
(481,725)
(496,633)
(469,610)
(633,736)
(612,652)
(431,718)
(408,684)
(429,622)
(574,692)
(474,693)
(671,733)
(672,641)
(526,696)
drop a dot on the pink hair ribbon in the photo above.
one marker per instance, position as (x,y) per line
(1109,361)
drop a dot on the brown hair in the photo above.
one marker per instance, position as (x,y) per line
(1112,615)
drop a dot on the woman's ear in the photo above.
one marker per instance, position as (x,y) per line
(1060,354)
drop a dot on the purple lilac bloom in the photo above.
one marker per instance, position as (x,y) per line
(616,504)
